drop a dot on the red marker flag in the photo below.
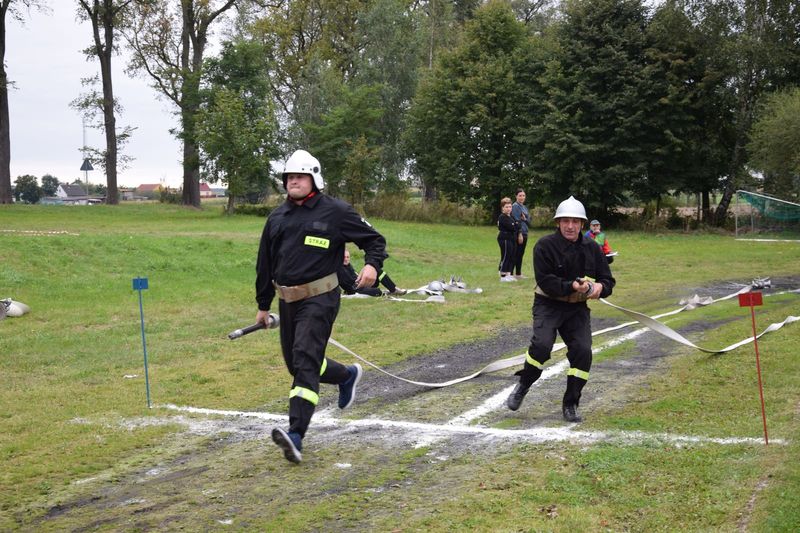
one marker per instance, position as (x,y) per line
(752,299)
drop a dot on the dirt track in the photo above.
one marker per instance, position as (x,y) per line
(225,468)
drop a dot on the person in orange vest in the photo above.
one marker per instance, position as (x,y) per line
(597,235)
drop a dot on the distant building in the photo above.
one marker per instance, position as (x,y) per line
(70,194)
(148,188)
(205,191)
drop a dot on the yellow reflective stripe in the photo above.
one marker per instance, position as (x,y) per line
(324,366)
(306,394)
(578,373)
(534,362)
(319,242)
(381,276)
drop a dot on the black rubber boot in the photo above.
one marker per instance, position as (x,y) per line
(572,398)
(517,395)
(571,413)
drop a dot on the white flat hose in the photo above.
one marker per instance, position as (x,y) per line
(645,320)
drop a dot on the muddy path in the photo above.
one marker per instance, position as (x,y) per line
(225,471)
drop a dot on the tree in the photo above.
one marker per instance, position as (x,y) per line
(462,129)
(106,16)
(348,125)
(775,143)
(236,127)
(8,7)
(27,189)
(760,52)
(168,43)
(390,60)
(595,129)
(49,185)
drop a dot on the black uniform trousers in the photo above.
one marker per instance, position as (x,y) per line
(573,323)
(508,252)
(305,328)
(520,254)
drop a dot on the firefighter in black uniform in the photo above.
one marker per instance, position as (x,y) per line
(347,281)
(301,248)
(570,269)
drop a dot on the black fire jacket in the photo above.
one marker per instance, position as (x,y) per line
(557,262)
(302,243)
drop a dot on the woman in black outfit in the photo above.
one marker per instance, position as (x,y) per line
(508,228)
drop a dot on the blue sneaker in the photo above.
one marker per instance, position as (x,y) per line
(290,443)
(347,390)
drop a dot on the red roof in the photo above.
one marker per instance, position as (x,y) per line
(205,187)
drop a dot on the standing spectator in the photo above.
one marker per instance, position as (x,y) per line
(520,213)
(594,232)
(301,248)
(569,269)
(508,228)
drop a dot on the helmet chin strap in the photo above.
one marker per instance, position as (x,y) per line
(303,200)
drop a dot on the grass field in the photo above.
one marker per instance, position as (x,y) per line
(74,425)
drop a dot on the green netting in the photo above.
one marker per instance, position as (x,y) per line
(772,207)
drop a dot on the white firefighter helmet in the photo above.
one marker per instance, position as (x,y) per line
(570,208)
(301,162)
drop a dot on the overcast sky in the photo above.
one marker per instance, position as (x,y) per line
(45,63)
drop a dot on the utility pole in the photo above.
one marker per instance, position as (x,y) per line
(87,165)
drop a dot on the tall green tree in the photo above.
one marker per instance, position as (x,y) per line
(351,124)
(760,52)
(775,144)
(688,123)
(16,9)
(595,130)
(27,189)
(236,127)
(105,17)
(462,130)
(49,185)
(390,60)
(531,106)
(168,40)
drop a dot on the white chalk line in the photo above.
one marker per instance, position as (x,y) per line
(426,434)
(536,435)
(37,232)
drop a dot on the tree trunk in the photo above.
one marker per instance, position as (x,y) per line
(5,135)
(110,121)
(706,206)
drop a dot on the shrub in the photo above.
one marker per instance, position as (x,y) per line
(400,207)
(259,210)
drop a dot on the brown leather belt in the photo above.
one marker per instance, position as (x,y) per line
(295,293)
(574,298)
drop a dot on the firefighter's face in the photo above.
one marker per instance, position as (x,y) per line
(346,257)
(570,227)
(595,228)
(298,186)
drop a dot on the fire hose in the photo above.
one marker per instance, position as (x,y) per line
(509,362)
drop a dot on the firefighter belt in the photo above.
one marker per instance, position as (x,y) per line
(573,298)
(295,293)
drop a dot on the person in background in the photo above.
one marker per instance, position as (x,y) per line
(508,228)
(520,213)
(301,248)
(569,270)
(597,235)
(347,281)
